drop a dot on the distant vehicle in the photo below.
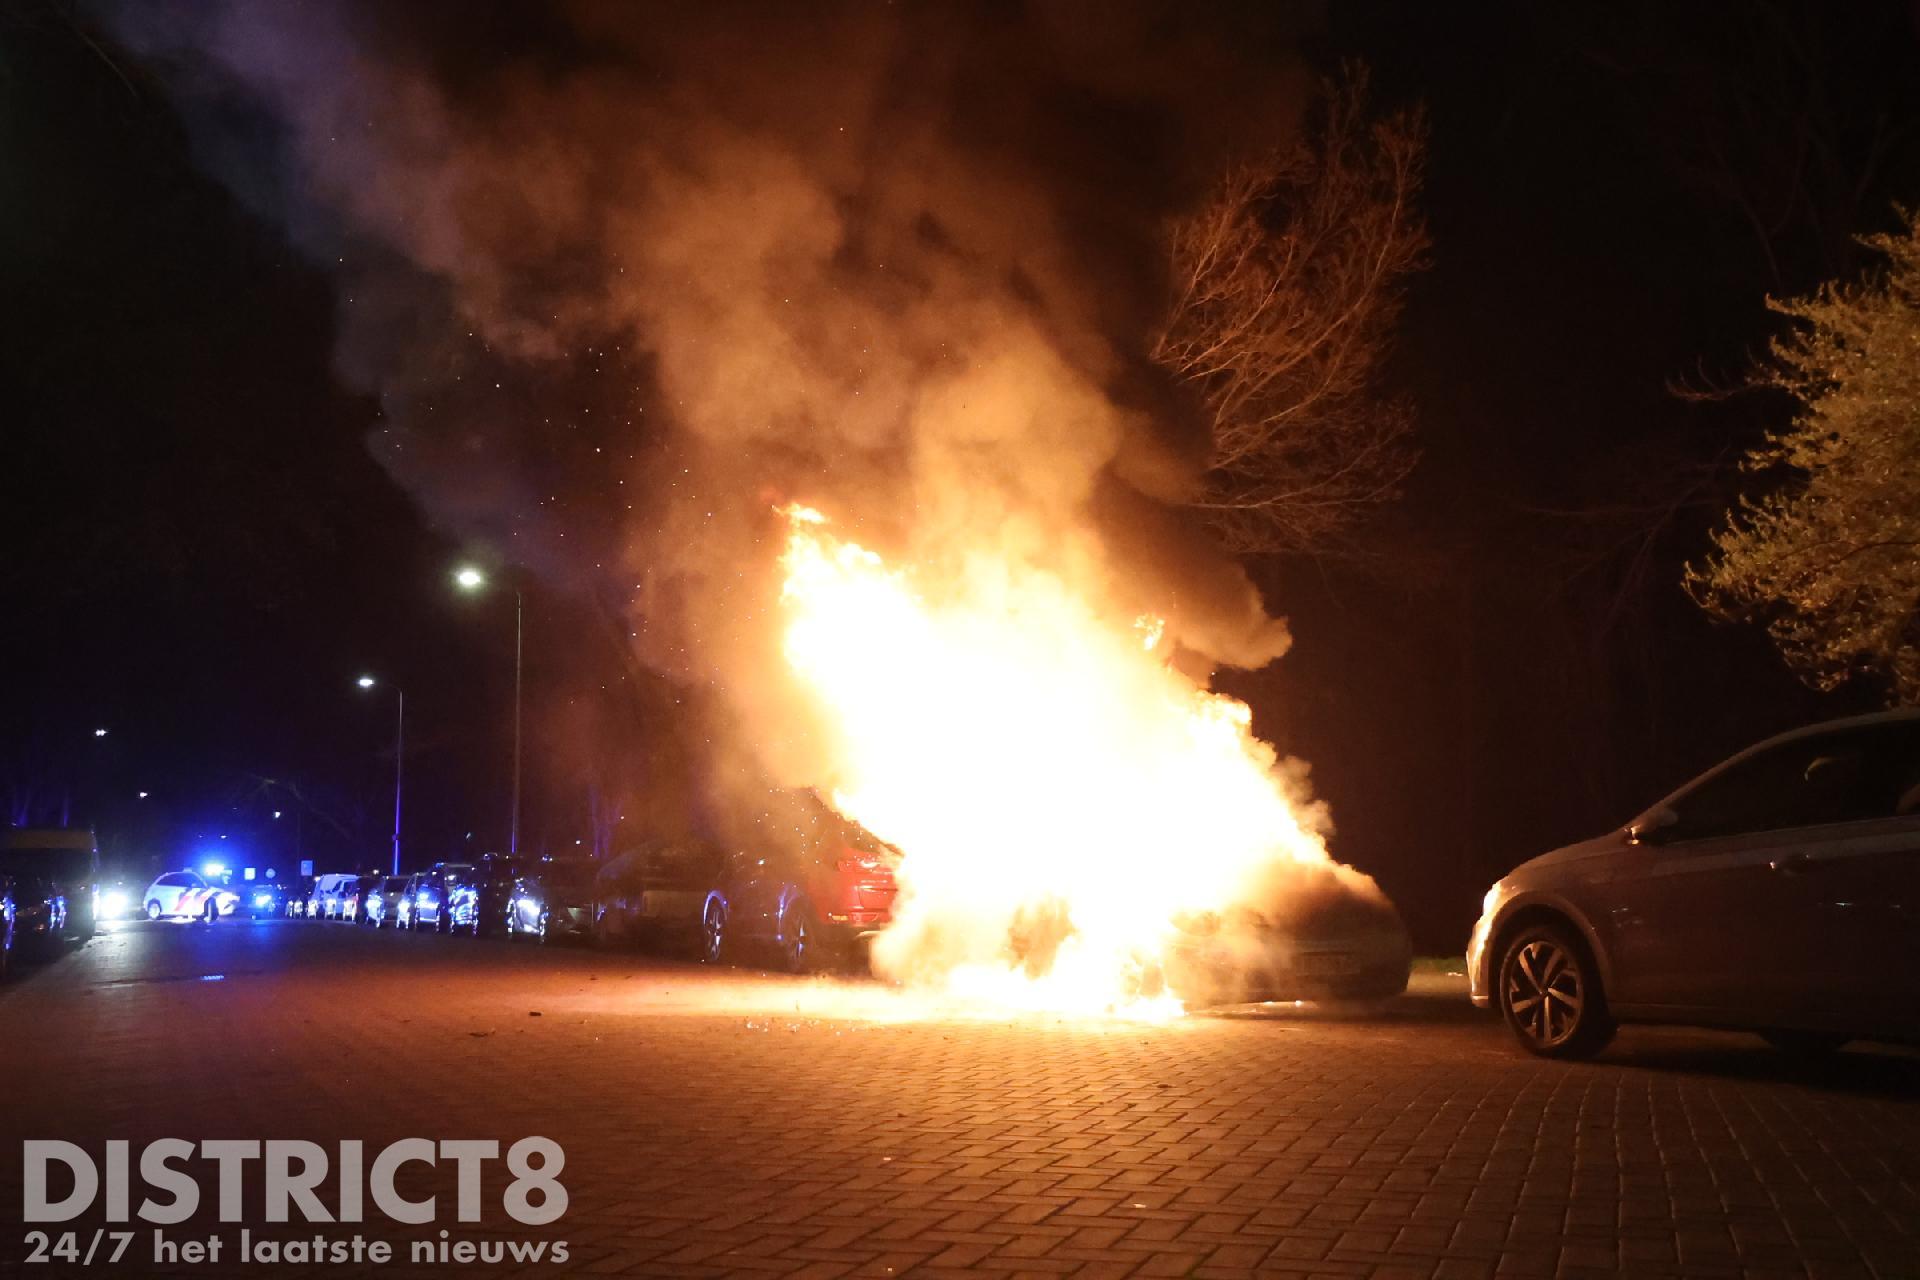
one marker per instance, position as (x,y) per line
(329,898)
(553,899)
(118,901)
(429,891)
(6,924)
(185,895)
(55,873)
(263,898)
(354,900)
(479,896)
(296,900)
(1328,938)
(1778,893)
(380,904)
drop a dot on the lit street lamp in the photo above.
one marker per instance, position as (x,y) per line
(468,578)
(399,760)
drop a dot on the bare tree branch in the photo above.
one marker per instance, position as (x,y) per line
(1287,284)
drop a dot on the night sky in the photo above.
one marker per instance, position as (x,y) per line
(202,552)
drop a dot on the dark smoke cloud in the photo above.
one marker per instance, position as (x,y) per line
(623,277)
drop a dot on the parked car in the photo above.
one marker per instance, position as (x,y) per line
(428,893)
(6,924)
(263,898)
(55,877)
(380,903)
(1778,892)
(810,889)
(186,895)
(619,888)
(553,899)
(1327,935)
(118,900)
(329,898)
(479,895)
(670,892)
(297,902)
(354,897)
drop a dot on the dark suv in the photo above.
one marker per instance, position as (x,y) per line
(811,888)
(429,893)
(477,899)
(553,899)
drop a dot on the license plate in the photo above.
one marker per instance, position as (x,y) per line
(1325,964)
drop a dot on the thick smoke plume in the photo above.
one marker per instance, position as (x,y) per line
(624,278)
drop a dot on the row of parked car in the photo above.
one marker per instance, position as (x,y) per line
(809,895)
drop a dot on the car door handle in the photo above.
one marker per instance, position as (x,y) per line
(1793,864)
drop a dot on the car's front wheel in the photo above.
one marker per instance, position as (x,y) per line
(1550,994)
(153,909)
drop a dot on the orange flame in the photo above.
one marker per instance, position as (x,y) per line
(1060,793)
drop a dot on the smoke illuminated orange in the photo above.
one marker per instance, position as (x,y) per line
(1060,793)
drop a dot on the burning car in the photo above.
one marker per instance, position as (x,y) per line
(1330,940)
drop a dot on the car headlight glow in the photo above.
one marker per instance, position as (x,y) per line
(262,899)
(113,902)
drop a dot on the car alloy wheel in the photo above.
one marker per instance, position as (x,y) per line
(799,943)
(1550,995)
(713,931)
(153,910)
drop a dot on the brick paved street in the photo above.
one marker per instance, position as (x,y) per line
(736,1123)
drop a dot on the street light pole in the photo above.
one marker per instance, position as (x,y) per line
(399,759)
(399,770)
(513,828)
(468,578)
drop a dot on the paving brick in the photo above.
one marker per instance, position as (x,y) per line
(728,1123)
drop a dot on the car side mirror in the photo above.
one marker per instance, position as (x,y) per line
(1653,827)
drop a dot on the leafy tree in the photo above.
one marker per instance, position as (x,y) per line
(1286,286)
(1829,557)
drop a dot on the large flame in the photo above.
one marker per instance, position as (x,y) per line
(1060,793)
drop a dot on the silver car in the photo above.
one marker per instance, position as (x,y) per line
(1777,893)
